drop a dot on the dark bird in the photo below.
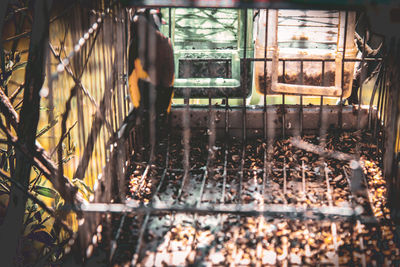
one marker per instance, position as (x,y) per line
(151,68)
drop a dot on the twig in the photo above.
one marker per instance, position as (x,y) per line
(8,111)
(60,172)
(62,138)
(18,36)
(16,93)
(321,151)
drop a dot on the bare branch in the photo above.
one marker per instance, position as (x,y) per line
(16,93)
(8,111)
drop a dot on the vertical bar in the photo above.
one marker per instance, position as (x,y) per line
(358,225)
(126,64)
(186,141)
(265,123)
(152,53)
(380,95)
(143,228)
(207,170)
(301,101)
(362,78)
(226,149)
(371,103)
(340,117)
(169,22)
(244,117)
(328,187)
(385,102)
(382,102)
(283,103)
(284,178)
(265,74)
(321,102)
(244,125)
(50,98)
(303,178)
(114,107)
(333,225)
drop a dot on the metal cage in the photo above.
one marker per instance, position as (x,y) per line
(252,166)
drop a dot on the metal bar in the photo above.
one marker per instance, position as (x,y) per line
(265,73)
(340,118)
(244,124)
(283,102)
(143,228)
(186,140)
(284,178)
(169,22)
(301,101)
(358,226)
(211,143)
(241,173)
(217,169)
(226,147)
(333,225)
(362,78)
(245,78)
(379,104)
(328,187)
(266,171)
(321,103)
(294,59)
(303,178)
(114,241)
(386,101)
(378,80)
(335,243)
(268,210)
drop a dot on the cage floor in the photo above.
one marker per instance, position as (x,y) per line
(283,175)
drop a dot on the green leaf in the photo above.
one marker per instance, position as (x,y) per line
(45,191)
(80,184)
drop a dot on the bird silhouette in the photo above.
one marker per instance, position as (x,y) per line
(151,70)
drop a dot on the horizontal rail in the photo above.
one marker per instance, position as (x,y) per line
(267,210)
(254,118)
(288,4)
(283,59)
